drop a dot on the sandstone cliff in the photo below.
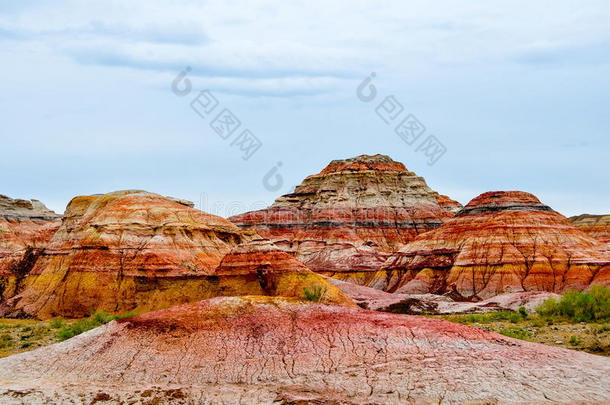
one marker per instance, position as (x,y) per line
(347,220)
(125,251)
(501,242)
(597,226)
(138,251)
(260,268)
(25,229)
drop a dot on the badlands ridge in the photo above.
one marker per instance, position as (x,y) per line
(282,305)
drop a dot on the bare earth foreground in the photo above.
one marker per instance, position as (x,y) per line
(274,350)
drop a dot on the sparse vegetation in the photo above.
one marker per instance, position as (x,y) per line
(96,319)
(575,340)
(516,332)
(579,320)
(6,341)
(579,306)
(315,293)
(488,317)
(56,323)
(19,335)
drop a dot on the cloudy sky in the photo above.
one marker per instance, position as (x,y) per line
(517,92)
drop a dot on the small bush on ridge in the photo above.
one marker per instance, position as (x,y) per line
(315,294)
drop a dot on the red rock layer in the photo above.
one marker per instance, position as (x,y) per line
(448,204)
(346,220)
(502,242)
(125,251)
(268,350)
(260,268)
(597,226)
(25,229)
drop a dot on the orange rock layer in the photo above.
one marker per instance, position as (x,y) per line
(25,229)
(597,226)
(134,251)
(262,350)
(501,242)
(260,268)
(350,217)
(125,251)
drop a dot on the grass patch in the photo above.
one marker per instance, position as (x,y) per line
(56,323)
(315,293)
(488,317)
(603,328)
(515,332)
(6,341)
(575,340)
(98,318)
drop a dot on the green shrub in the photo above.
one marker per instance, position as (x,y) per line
(579,306)
(574,340)
(603,328)
(57,323)
(96,319)
(523,312)
(488,317)
(515,332)
(315,294)
(6,340)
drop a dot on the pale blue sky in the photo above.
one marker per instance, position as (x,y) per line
(517,91)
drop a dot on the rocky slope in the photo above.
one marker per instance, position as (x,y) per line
(25,229)
(597,226)
(347,220)
(134,251)
(501,242)
(260,268)
(376,300)
(124,251)
(270,350)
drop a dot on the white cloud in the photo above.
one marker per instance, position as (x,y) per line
(91,80)
(317,39)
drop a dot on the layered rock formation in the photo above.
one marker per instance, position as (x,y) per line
(260,268)
(347,220)
(270,350)
(502,242)
(597,226)
(448,204)
(25,229)
(138,251)
(124,251)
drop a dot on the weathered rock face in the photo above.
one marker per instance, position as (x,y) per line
(125,251)
(260,268)
(448,204)
(597,226)
(25,229)
(347,220)
(269,350)
(502,242)
(138,251)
